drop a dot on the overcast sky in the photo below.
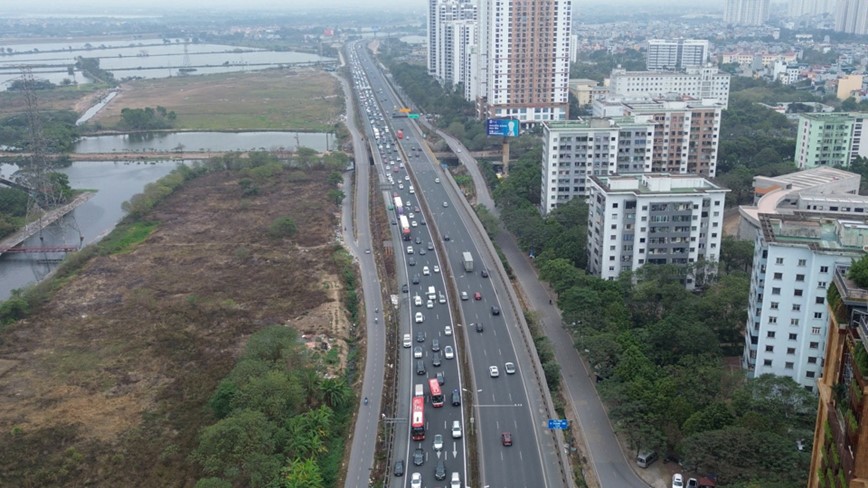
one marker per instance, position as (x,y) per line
(73,6)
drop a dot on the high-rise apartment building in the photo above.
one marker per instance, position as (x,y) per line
(800,8)
(522,63)
(795,257)
(695,82)
(575,150)
(746,12)
(432,35)
(686,133)
(653,219)
(830,139)
(840,453)
(851,16)
(674,54)
(456,27)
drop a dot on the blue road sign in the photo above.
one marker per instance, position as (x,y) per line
(503,127)
(559,424)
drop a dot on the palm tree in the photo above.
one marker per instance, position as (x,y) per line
(335,392)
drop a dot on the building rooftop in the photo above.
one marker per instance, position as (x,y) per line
(829,116)
(598,123)
(817,232)
(659,183)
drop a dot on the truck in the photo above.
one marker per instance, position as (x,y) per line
(399,206)
(432,293)
(405,227)
(419,391)
(400,133)
(468,262)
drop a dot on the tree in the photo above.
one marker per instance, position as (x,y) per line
(282,227)
(336,393)
(238,446)
(859,272)
(302,473)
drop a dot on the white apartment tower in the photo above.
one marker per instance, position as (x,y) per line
(432,35)
(573,151)
(851,16)
(652,219)
(522,65)
(674,54)
(799,8)
(702,83)
(746,12)
(793,266)
(455,29)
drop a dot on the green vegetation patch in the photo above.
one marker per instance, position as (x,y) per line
(126,236)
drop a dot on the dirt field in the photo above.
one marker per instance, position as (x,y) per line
(106,386)
(298,99)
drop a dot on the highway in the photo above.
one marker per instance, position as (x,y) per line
(505,403)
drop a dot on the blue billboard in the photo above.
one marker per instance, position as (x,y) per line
(503,127)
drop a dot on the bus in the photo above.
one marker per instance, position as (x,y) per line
(405,227)
(436,394)
(417,416)
(399,206)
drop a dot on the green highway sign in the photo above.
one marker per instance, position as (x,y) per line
(412,116)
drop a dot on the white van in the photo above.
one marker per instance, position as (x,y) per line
(646,458)
(420,390)
(407,341)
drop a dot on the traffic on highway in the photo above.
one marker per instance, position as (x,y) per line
(438,259)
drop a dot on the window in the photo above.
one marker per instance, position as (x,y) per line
(770,348)
(770,334)
(818,315)
(779,261)
(814,345)
(794,321)
(779,276)
(773,319)
(821,284)
(820,300)
(802,262)
(774,306)
(797,293)
(812,360)
(776,291)
(800,277)
(791,350)
(815,330)
(767,362)
(794,337)
(788,365)
(824,269)
(809,374)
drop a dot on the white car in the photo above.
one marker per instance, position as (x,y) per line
(438,442)
(419,318)
(409,249)
(400,186)
(426,271)
(677,481)
(416,480)
(430,304)
(436,268)
(448,353)
(406,177)
(417,300)
(509,368)
(447,330)
(464,296)
(493,371)
(436,180)
(407,341)
(417,352)
(445,204)
(456,429)
(411,216)
(456,481)
(413,224)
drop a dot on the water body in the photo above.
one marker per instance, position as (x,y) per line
(145,58)
(205,141)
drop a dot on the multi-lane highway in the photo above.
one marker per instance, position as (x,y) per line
(502,402)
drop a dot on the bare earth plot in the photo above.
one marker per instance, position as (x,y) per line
(281,99)
(107,385)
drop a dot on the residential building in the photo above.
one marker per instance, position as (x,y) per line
(746,12)
(795,257)
(801,8)
(653,219)
(522,65)
(432,35)
(575,150)
(764,59)
(847,85)
(455,27)
(840,450)
(674,54)
(686,132)
(817,190)
(582,89)
(851,16)
(830,139)
(695,82)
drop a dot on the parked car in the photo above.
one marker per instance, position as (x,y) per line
(677,481)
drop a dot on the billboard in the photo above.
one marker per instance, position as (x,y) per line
(503,127)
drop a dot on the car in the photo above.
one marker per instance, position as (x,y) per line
(458,150)
(430,246)
(418,239)
(440,470)
(436,268)
(409,249)
(438,442)
(420,367)
(446,238)
(399,467)
(426,271)
(368,251)
(478,326)
(414,224)
(435,345)
(415,280)
(417,300)
(692,483)
(420,336)
(412,216)
(423,222)
(456,398)
(407,341)
(445,204)
(411,261)
(417,208)
(454,483)
(441,377)
(405,288)
(419,317)
(456,429)
(495,310)
(394,222)
(493,371)
(436,180)
(448,353)
(477,296)
(406,177)
(418,457)
(417,352)
(416,480)
(677,481)
(447,330)
(506,439)
(429,304)
(400,186)
(423,252)
(464,296)
(484,273)
(435,360)
(509,368)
